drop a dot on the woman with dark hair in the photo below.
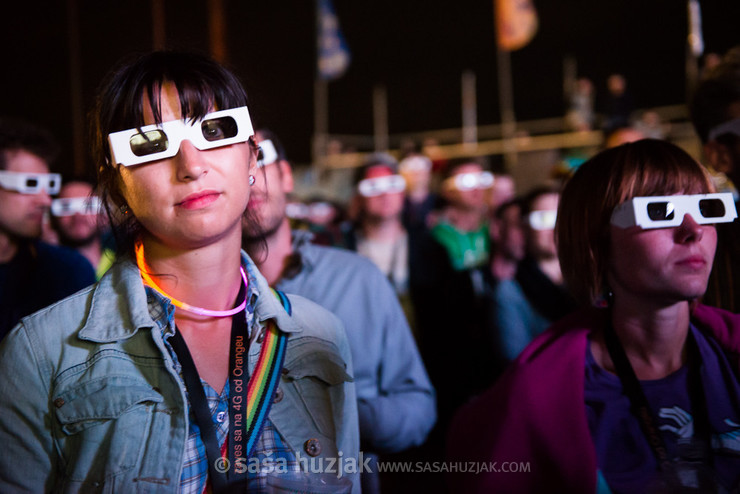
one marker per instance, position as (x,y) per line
(640,392)
(180,371)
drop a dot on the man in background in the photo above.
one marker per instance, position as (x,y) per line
(32,274)
(396,401)
(77,219)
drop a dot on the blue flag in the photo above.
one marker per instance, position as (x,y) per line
(333,54)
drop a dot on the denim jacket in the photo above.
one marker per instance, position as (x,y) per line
(91,400)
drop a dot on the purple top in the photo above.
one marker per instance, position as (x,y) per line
(535,412)
(624,456)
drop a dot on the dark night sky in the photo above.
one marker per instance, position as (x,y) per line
(418,48)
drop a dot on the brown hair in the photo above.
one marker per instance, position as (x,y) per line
(648,167)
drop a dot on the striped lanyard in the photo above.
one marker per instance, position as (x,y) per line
(249,402)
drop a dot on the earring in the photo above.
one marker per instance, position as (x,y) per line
(252,180)
(124,209)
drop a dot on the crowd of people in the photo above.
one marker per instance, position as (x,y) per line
(184,314)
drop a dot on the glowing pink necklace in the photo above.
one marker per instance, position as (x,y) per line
(182,305)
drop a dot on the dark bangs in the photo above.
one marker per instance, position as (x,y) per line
(201,83)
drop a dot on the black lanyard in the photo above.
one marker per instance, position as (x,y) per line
(224,476)
(701,450)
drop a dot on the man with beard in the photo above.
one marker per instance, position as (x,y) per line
(32,274)
(77,219)
(395,398)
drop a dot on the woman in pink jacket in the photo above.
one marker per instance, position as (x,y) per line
(639,392)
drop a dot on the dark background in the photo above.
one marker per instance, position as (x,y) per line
(418,48)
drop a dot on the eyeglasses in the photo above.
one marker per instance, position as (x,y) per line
(389,184)
(31,183)
(268,154)
(731,127)
(470,181)
(159,141)
(543,220)
(668,211)
(75,205)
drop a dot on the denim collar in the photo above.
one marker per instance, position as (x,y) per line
(118,308)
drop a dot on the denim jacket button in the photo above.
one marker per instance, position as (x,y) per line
(59,402)
(312,447)
(278,396)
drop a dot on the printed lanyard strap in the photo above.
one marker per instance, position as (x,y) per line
(249,405)
(641,408)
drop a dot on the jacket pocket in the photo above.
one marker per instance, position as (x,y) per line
(318,377)
(104,424)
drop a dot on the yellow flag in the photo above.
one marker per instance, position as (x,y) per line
(516,23)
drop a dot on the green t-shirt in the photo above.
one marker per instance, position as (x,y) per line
(466,249)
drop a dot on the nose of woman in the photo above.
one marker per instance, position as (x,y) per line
(189,162)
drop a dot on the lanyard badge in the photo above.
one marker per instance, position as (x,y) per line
(159,141)
(31,183)
(668,211)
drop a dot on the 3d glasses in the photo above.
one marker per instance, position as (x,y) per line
(470,181)
(389,184)
(75,205)
(31,183)
(268,154)
(542,220)
(668,211)
(156,142)
(731,127)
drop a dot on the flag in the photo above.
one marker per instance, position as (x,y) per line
(696,40)
(333,54)
(516,23)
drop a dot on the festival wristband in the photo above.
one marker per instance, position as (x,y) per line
(668,211)
(31,183)
(159,141)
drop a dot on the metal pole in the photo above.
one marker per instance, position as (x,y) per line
(217,30)
(469,109)
(75,88)
(380,117)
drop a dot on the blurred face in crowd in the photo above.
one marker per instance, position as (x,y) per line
(386,205)
(21,215)
(77,229)
(468,198)
(268,199)
(510,237)
(503,190)
(417,171)
(542,241)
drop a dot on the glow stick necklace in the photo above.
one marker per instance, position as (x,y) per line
(182,305)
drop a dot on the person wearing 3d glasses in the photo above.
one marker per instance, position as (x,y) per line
(461,224)
(78,220)
(33,274)
(180,370)
(640,390)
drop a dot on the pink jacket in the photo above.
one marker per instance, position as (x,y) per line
(536,413)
